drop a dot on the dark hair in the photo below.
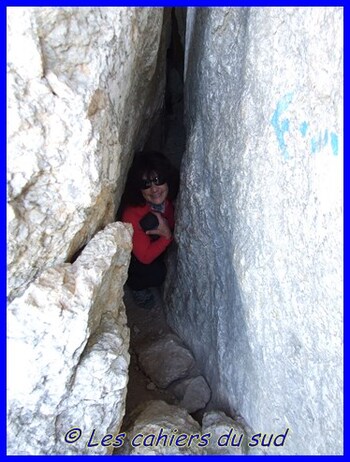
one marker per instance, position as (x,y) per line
(146,163)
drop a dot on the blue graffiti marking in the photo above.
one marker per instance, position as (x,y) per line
(334,143)
(303,128)
(313,146)
(282,126)
(325,138)
(319,143)
(316,143)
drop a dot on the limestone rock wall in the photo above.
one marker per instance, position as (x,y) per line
(68,352)
(84,85)
(154,427)
(257,288)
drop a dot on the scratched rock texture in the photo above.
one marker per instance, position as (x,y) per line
(68,351)
(258,272)
(84,85)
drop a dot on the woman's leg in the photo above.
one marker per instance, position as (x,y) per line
(142,276)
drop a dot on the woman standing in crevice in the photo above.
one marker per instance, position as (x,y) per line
(147,204)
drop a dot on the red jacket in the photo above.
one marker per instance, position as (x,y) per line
(144,249)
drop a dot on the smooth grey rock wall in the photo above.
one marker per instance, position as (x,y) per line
(68,352)
(84,85)
(256,291)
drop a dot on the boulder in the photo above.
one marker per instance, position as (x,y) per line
(228,436)
(166,360)
(163,429)
(68,351)
(193,393)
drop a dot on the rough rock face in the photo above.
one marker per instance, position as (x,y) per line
(258,276)
(83,87)
(193,394)
(227,436)
(160,429)
(166,360)
(68,351)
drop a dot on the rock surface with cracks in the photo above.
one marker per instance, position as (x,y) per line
(155,429)
(218,424)
(158,428)
(161,366)
(193,393)
(84,85)
(166,360)
(68,351)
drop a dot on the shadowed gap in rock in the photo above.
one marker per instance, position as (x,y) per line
(147,327)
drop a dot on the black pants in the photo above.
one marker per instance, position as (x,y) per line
(142,276)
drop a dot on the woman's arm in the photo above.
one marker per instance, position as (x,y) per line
(144,249)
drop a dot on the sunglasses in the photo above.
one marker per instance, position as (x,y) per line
(157,180)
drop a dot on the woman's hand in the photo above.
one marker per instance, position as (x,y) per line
(163,227)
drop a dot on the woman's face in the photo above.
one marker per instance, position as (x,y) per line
(156,193)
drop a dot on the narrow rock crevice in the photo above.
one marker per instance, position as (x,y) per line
(168,136)
(168,133)
(162,368)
